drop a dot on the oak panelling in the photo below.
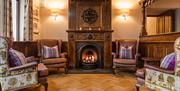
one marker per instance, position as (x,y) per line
(157,46)
(156,50)
(28,48)
(64,46)
(31,48)
(114,46)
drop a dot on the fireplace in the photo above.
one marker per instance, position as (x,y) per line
(89,55)
(89,34)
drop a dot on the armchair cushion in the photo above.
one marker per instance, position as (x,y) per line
(168,62)
(124,61)
(16,58)
(54,60)
(125,52)
(50,52)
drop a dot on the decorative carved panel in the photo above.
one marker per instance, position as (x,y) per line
(89,16)
(89,36)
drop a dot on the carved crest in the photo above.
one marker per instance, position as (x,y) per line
(89,16)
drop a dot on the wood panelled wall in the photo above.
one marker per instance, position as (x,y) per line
(31,48)
(157,46)
(28,48)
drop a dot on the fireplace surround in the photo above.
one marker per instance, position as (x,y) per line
(98,42)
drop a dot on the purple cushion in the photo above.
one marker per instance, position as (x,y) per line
(169,62)
(50,52)
(16,58)
(125,52)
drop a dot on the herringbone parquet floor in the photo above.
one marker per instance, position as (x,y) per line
(90,82)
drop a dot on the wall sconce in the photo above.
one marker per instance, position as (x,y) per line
(55,13)
(55,8)
(125,13)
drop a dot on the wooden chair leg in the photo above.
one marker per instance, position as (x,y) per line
(113,70)
(45,86)
(66,71)
(137,88)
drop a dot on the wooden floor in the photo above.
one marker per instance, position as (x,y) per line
(90,82)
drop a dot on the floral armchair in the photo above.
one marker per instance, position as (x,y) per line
(14,78)
(164,81)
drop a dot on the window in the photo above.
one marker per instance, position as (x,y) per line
(18,7)
(15,20)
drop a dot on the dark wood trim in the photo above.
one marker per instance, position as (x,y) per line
(143,29)
(152,15)
(161,37)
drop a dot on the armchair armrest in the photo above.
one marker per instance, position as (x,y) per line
(114,55)
(159,69)
(63,55)
(28,65)
(137,56)
(30,59)
(151,61)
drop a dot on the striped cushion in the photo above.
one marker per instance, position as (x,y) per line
(168,62)
(125,52)
(16,58)
(50,52)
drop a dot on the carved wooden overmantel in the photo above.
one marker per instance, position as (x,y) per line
(90,9)
(90,22)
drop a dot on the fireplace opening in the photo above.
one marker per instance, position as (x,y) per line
(89,58)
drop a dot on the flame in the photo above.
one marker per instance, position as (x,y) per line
(89,59)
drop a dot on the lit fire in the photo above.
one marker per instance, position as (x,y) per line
(89,59)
